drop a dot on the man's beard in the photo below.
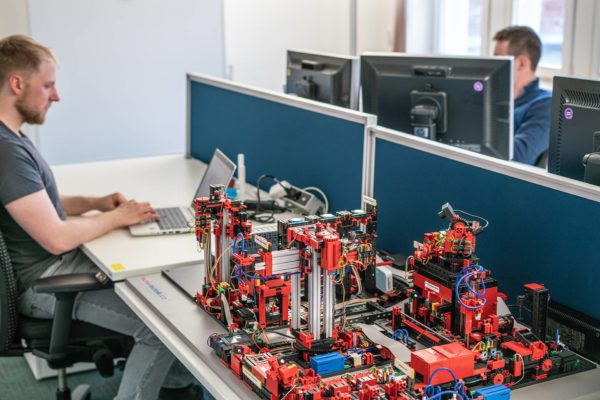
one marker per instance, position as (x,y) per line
(29,115)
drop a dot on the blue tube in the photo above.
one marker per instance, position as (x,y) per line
(445,392)
(462,276)
(406,337)
(442,369)
(235,242)
(239,269)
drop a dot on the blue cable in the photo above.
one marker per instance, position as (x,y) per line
(442,369)
(462,276)
(445,392)
(235,242)
(406,337)
(431,390)
(266,278)
(459,388)
(435,392)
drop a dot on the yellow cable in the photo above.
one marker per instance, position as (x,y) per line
(212,270)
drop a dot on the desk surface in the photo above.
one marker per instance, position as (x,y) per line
(164,181)
(185,329)
(167,311)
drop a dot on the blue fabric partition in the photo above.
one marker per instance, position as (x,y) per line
(304,147)
(536,234)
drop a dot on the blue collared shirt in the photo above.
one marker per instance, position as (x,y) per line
(532,123)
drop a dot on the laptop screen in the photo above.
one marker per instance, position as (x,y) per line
(219,172)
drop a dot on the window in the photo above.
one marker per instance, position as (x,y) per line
(459,27)
(569,30)
(547,18)
(595,44)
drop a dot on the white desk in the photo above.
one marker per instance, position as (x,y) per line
(185,328)
(171,310)
(164,181)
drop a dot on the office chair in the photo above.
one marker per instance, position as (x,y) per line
(61,341)
(542,161)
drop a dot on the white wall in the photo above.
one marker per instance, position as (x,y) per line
(259,32)
(375,25)
(420,29)
(13,17)
(122,73)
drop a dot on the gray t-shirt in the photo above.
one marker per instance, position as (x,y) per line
(23,171)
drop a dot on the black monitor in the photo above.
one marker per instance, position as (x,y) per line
(462,101)
(575,129)
(331,79)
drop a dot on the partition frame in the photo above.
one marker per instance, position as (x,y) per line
(512,169)
(368,120)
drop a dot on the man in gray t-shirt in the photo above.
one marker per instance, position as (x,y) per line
(23,172)
(33,220)
(33,217)
(41,237)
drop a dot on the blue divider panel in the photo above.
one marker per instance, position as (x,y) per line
(536,234)
(304,147)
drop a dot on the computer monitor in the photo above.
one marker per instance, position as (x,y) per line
(575,128)
(332,79)
(462,101)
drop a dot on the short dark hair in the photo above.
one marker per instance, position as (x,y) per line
(522,40)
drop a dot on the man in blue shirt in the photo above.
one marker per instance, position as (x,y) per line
(533,105)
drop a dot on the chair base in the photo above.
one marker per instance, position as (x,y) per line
(81,392)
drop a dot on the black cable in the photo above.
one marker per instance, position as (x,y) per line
(481,228)
(257,214)
(258,181)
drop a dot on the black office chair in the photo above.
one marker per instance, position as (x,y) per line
(60,341)
(542,161)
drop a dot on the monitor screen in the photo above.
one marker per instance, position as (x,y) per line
(462,101)
(331,79)
(575,126)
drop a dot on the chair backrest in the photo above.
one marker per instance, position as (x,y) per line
(8,299)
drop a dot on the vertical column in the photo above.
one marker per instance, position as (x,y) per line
(295,301)
(328,304)
(207,256)
(314,305)
(225,250)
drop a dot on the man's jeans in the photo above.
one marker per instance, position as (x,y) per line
(150,364)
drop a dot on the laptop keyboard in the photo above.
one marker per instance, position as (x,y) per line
(172,218)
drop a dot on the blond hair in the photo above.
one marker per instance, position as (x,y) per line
(20,53)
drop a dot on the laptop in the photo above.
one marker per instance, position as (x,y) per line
(181,219)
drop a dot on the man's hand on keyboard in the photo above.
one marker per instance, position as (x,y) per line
(133,212)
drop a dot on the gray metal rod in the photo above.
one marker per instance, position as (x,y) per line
(207,255)
(315,298)
(328,304)
(225,251)
(62,379)
(295,301)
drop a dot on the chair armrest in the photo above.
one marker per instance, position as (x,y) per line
(65,288)
(72,283)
